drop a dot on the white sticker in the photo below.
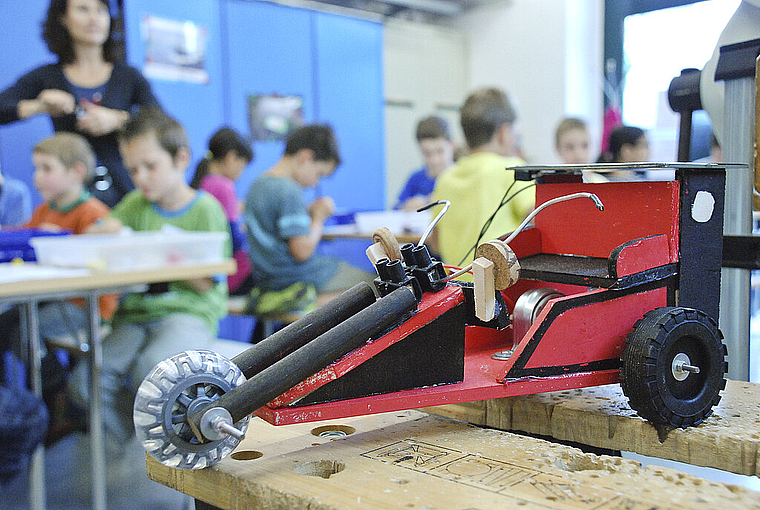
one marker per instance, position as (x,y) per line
(703,207)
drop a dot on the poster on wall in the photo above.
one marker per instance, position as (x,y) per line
(174,50)
(273,116)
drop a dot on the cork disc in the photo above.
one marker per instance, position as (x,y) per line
(384,236)
(506,267)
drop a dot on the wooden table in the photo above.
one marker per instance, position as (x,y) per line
(413,460)
(85,280)
(27,285)
(351,232)
(601,417)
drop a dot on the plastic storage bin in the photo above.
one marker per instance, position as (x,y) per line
(15,244)
(133,250)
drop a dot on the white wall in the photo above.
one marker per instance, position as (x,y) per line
(426,73)
(546,53)
(584,69)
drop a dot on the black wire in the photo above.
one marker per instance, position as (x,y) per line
(510,198)
(488,222)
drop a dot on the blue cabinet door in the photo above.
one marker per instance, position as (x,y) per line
(198,106)
(349,82)
(269,51)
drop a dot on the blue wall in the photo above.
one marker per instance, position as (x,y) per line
(349,82)
(269,51)
(333,62)
(199,107)
(22,51)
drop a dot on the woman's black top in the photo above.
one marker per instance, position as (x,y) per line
(125,90)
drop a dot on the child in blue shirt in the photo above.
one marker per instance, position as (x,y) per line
(283,231)
(15,202)
(434,140)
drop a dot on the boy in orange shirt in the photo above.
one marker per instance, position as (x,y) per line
(63,164)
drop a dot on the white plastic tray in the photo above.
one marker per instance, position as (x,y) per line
(131,250)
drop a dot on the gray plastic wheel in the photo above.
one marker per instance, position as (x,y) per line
(172,391)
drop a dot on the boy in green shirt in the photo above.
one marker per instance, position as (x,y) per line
(152,326)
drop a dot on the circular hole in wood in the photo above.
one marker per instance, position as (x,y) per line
(246,455)
(333,431)
(321,468)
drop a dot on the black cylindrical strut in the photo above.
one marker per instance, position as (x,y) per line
(297,334)
(314,356)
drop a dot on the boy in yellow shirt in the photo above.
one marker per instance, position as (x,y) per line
(477,183)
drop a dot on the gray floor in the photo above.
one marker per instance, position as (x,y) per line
(67,480)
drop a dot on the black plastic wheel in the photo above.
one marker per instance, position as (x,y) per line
(652,372)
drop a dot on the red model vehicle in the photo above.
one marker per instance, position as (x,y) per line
(629,294)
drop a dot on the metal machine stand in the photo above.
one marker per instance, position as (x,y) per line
(736,67)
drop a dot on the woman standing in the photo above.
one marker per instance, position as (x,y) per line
(87,91)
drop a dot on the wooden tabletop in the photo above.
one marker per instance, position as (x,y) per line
(68,280)
(417,461)
(601,417)
(350,232)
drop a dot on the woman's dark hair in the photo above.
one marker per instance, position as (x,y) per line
(223,141)
(620,136)
(58,39)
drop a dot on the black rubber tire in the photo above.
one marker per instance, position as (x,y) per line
(646,373)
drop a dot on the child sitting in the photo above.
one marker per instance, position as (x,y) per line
(63,164)
(571,139)
(572,142)
(478,183)
(437,149)
(150,327)
(627,144)
(217,172)
(283,231)
(15,202)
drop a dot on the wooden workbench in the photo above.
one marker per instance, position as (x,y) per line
(601,417)
(27,285)
(73,280)
(414,460)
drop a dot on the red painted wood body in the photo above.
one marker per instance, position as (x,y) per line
(576,340)
(632,210)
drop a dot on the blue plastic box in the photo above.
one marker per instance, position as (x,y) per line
(14,244)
